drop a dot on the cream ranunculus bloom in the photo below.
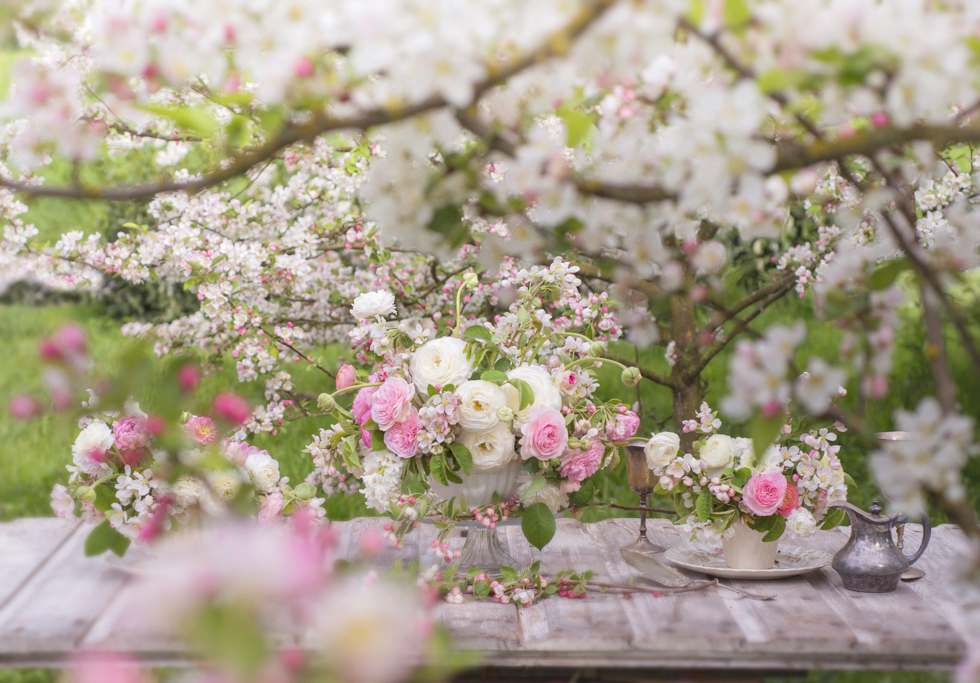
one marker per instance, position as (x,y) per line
(719,452)
(263,469)
(546,393)
(549,494)
(490,449)
(801,522)
(440,362)
(478,404)
(661,449)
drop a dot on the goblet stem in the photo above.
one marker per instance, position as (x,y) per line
(643,517)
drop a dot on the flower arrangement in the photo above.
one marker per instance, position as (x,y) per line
(508,402)
(123,481)
(786,488)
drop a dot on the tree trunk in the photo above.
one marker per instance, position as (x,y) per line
(687,393)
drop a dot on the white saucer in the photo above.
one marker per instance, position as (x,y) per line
(710,560)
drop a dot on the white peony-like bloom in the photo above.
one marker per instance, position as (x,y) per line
(90,446)
(188,490)
(661,449)
(263,470)
(479,402)
(225,484)
(718,452)
(371,304)
(543,386)
(801,522)
(549,494)
(440,362)
(744,452)
(490,449)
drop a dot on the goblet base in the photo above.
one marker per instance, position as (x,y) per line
(644,546)
(483,551)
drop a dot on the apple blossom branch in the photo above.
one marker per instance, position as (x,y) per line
(556,44)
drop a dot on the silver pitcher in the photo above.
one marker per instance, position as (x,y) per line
(870,562)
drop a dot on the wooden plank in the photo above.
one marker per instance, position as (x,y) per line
(941,586)
(900,623)
(54,610)
(25,545)
(689,624)
(596,622)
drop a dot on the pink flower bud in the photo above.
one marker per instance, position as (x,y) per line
(188,377)
(24,407)
(232,407)
(346,377)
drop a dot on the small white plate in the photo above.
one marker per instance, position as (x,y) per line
(710,560)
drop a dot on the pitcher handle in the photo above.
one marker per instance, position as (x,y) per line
(926,535)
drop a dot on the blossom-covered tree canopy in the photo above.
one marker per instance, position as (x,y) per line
(306,152)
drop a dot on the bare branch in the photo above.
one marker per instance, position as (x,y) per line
(646,373)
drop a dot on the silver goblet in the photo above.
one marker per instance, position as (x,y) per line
(642,481)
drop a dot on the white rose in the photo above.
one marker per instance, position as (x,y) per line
(263,470)
(224,484)
(549,494)
(370,304)
(491,449)
(543,386)
(478,404)
(718,452)
(744,452)
(440,362)
(661,449)
(801,522)
(188,490)
(91,444)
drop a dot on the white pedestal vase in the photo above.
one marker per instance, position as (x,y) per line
(482,548)
(745,549)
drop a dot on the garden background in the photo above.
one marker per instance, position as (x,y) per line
(33,454)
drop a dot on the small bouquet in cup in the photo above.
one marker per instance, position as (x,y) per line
(132,489)
(724,481)
(481,421)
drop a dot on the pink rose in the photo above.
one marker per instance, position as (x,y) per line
(392,403)
(362,404)
(544,436)
(201,429)
(131,433)
(579,465)
(366,437)
(791,500)
(271,508)
(238,451)
(400,438)
(624,427)
(346,377)
(763,493)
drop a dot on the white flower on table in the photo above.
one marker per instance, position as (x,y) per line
(661,449)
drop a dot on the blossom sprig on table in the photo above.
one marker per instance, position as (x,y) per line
(516,393)
(789,486)
(523,588)
(125,482)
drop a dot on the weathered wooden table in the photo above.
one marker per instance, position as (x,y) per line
(54,601)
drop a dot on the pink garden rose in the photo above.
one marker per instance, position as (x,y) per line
(578,465)
(763,494)
(346,377)
(201,429)
(271,508)
(238,451)
(400,438)
(361,408)
(791,500)
(131,433)
(392,403)
(544,436)
(624,427)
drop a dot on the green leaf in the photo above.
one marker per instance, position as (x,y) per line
(105,496)
(538,525)
(502,365)
(525,391)
(578,126)
(741,477)
(476,332)
(463,456)
(188,118)
(448,221)
(703,505)
(833,518)
(778,526)
(438,467)
(508,573)
(736,13)
(494,376)
(887,273)
(764,431)
(537,483)
(103,538)
(584,495)
(378,440)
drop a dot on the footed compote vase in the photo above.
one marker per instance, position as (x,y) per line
(482,548)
